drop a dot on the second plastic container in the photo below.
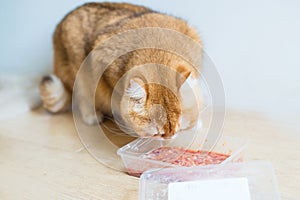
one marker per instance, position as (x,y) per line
(253,180)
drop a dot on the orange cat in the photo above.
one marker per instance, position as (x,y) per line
(87,27)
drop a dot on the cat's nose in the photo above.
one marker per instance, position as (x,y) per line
(169,135)
(169,132)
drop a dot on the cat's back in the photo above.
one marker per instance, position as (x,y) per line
(81,27)
(105,12)
(92,18)
(92,23)
(87,26)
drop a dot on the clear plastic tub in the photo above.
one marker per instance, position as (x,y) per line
(259,175)
(133,154)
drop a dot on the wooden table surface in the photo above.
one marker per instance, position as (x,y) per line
(41,157)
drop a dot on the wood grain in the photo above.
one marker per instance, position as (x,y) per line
(41,157)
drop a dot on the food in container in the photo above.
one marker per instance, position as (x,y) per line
(144,154)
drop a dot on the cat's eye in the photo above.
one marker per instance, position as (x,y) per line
(137,101)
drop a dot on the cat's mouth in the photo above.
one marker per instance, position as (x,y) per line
(157,131)
(162,137)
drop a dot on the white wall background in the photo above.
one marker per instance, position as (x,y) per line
(255,44)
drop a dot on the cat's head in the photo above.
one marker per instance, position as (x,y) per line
(156,110)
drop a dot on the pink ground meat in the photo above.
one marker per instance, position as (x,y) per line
(185,157)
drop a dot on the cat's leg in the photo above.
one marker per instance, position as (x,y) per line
(84,98)
(54,96)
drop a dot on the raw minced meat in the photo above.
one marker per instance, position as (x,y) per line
(185,157)
(177,156)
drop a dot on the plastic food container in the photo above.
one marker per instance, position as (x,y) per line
(135,161)
(257,178)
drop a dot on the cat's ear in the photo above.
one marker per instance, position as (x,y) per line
(135,89)
(182,74)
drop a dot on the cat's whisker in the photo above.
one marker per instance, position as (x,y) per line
(117,131)
(110,127)
(117,123)
(107,117)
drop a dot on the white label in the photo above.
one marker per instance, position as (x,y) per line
(224,189)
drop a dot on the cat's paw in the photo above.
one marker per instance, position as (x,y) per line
(91,119)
